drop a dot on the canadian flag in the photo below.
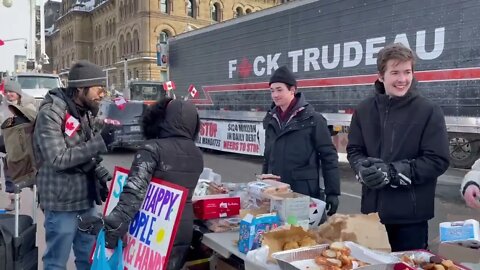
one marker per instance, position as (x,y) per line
(169,85)
(71,125)
(192,90)
(2,87)
(120,102)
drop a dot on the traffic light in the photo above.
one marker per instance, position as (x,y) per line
(2,42)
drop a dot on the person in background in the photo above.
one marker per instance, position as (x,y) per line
(13,96)
(398,146)
(170,127)
(298,143)
(470,187)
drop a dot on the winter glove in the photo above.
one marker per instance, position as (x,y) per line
(107,133)
(332,204)
(114,228)
(372,172)
(102,176)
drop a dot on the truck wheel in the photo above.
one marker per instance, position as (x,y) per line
(463,151)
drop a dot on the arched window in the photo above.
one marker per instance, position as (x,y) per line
(107,57)
(164,6)
(216,12)
(163,37)
(114,55)
(239,12)
(136,42)
(100,62)
(248,11)
(122,46)
(128,44)
(95,58)
(190,7)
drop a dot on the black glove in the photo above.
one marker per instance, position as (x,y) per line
(332,204)
(114,228)
(102,176)
(372,172)
(107,133)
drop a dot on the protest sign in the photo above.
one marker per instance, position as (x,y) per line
(153,229)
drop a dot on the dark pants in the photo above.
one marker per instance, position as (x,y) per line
(411,236)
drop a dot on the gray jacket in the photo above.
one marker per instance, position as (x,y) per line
(62,186)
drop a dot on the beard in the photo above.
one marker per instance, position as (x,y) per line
(93,107)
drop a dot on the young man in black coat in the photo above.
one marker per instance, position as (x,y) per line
(398,146)
(298,143)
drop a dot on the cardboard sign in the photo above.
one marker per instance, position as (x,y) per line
(153,229)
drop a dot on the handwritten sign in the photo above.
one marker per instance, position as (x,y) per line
(237,137)
(153,229)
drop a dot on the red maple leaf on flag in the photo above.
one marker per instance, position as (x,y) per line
(69,126)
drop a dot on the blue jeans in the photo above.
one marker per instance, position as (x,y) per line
(61,231)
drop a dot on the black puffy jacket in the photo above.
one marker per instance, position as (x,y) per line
(297,151)
(394,129)
(173,157)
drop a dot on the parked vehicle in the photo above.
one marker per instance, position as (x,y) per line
(331,47)
(129,117)
(37,84)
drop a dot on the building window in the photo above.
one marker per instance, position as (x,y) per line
(248,11)
(107,56)
(163,37)
(114,54)
(238,12)
(216,12)
(190,8)
(164,6)
(136,42)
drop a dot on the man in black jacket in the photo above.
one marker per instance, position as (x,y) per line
(398,146)
(298,143)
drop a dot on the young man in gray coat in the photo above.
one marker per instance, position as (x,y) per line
(70,178)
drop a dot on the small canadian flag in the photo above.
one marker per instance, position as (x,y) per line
(120,102)
(71,125)
(192,90)
(169,85)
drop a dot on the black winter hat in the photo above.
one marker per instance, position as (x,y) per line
(283,75)
(86,74)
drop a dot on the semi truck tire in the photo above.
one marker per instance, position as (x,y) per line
(464,150)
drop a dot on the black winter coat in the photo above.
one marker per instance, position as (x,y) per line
(297,151)
(175,158)
(401,128)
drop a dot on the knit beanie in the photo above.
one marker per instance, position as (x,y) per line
(86,74)
(283,75)
(13,86)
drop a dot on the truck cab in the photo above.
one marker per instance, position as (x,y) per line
(37,84)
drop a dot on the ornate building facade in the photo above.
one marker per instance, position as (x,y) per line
(122,35)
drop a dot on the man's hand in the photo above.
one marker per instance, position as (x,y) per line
(107,133)
(372,173)
(102,176)
(472,196)
(331,204)
(114,228)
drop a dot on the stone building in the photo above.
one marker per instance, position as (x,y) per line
(112,32)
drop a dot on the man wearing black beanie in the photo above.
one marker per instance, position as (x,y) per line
(70,178)
(298,143)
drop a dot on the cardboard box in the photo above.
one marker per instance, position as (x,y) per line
(464,232)
(290,204)
(252,229)
(216,207)
(459,253)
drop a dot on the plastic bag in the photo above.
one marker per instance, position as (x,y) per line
(100,261)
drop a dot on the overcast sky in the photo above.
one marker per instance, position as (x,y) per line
(14,23)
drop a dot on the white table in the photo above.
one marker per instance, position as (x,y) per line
(225,244)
